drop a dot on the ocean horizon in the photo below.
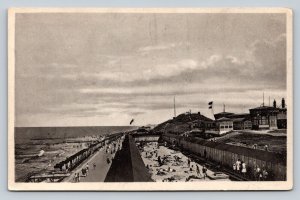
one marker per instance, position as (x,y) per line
(29,133)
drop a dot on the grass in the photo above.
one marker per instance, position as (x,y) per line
(275,143)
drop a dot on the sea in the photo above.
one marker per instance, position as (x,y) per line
(55,143)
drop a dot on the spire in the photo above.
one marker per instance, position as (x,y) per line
(223,107)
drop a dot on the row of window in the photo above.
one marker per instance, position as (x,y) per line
(224,127)
(264,122)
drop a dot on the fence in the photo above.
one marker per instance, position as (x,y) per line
(226,155)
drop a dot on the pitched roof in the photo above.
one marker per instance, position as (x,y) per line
(264,108)
(223,119)
(224,113)
(240,119)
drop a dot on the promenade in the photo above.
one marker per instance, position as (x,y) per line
(98,173)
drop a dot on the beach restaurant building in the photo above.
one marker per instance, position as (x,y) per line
(264,117)
(224,125)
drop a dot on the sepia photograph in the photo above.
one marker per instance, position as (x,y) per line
(150,99)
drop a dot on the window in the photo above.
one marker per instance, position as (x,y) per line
(264,121)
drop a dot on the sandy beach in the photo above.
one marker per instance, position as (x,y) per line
(175,167)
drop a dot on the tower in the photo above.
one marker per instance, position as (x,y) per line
(282,103)
(274,103)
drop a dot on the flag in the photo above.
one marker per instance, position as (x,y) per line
(131,121)
(210,105)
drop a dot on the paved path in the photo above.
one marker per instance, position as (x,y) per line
(99,173)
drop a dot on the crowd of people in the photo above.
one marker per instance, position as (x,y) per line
(200,173)
(110,150)
(259,174)
(84,172)
(195,170)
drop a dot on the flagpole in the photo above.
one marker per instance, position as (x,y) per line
(211,103)
(174,107)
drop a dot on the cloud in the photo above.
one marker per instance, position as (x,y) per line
(162,47)
(157,47)
(158,71)
(169,70)
(70,71)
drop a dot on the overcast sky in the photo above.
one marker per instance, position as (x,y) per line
(105,69)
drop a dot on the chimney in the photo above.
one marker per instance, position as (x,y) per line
(283,103)
(274,103)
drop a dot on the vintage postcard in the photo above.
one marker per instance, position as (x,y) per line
(164,99)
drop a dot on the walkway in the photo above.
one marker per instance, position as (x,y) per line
(99,173)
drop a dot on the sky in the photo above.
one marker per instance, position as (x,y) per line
(104,69)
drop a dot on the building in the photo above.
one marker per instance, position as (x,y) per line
(224,125)
(264,117)
(240,121)
(282,119)
(267,117)
(241,124)
(281,116)
(222,114)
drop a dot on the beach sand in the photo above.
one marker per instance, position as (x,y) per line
(175,166)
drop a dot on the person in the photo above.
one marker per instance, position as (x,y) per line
(265,174)
(244,169)
(75,177)
(266,147)
(94,165)
(107,160)
(83,171)
(78,178)
(238,165)
(258,173)
(87,168)
(198,170)
(159,161)
(234,167)
(189,162)
(204,171)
